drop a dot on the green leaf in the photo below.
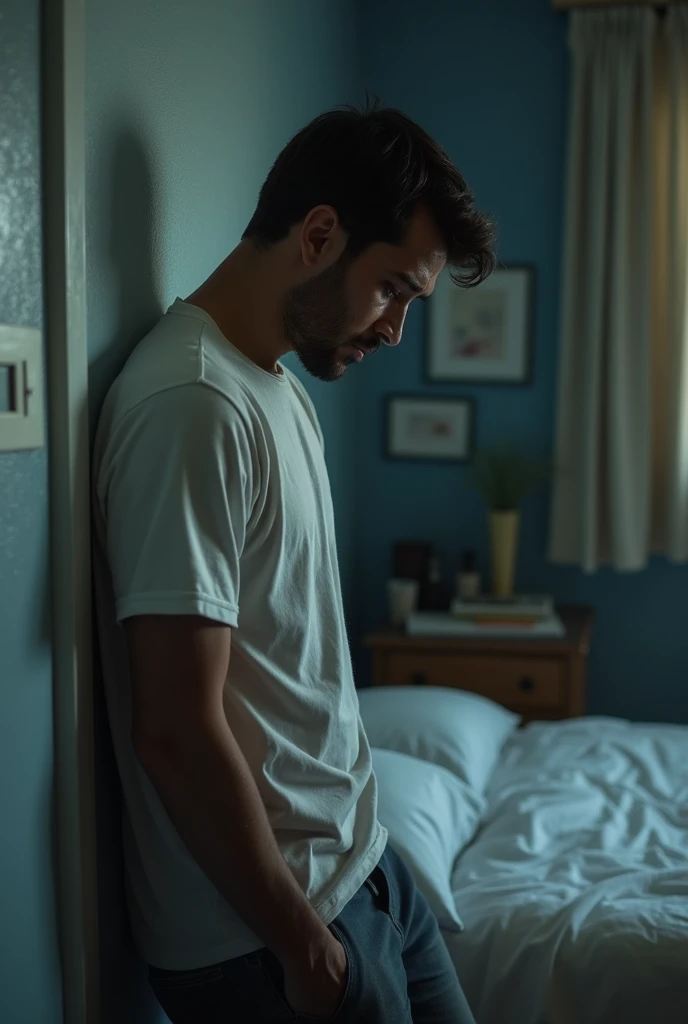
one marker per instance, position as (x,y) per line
(504,478)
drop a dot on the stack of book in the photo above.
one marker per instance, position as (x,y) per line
(522,616)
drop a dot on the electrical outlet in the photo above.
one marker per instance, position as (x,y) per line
(21,388)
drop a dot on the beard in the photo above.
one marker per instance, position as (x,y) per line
(315,318)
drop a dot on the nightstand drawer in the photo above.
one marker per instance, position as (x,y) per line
(540,679)
(512,681)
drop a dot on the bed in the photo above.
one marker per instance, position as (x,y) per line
(554,855)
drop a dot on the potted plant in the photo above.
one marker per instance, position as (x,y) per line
(503,479)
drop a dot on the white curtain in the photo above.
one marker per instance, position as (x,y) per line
(621,487)
(673,530)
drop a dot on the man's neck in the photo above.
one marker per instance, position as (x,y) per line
(244,299)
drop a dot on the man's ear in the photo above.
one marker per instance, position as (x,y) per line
(322,239)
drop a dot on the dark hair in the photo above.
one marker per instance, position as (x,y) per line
(374,166)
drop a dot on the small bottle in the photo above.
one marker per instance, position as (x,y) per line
(468,580)
(436,598)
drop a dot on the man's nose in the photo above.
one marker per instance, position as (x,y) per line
(397,325)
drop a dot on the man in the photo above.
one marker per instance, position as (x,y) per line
(259,885)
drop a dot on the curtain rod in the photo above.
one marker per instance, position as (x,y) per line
(566,5)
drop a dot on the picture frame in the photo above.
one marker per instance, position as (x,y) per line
(482,335)
(429,428)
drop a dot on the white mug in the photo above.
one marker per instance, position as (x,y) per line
(402,596)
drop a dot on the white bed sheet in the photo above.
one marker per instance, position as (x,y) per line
(574,893)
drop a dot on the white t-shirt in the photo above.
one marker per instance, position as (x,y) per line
(212,498)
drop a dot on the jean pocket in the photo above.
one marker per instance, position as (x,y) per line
(383,879)
(308,1018)
(275,977)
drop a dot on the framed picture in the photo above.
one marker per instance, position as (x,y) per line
(429,428)
(482,335)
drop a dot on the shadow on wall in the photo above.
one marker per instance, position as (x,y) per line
(127,241)
(127,252)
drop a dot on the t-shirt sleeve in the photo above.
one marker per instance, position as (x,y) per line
(175,488)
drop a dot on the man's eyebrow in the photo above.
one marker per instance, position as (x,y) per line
(412,283)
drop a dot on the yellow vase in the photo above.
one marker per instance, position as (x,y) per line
(504,544)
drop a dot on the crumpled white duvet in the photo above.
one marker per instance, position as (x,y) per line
(574,893)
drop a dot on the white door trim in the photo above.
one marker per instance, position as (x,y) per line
(63,65)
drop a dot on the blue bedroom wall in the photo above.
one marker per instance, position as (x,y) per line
(489,80)
(30,983)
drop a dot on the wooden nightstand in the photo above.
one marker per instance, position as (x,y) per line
(536,678)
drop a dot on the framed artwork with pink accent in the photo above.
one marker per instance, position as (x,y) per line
(482,335)
(428,428)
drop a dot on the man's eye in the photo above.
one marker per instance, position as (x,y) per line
(391,292)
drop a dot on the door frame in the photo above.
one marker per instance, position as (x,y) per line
(64,275)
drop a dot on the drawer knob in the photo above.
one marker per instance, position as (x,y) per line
(527,684)
(419,678)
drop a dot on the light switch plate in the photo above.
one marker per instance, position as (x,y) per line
(21,355)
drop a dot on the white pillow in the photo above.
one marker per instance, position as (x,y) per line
(461,731)
(430,816)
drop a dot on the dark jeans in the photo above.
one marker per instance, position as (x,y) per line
(399,968)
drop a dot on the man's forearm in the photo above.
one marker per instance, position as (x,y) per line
(213,801)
